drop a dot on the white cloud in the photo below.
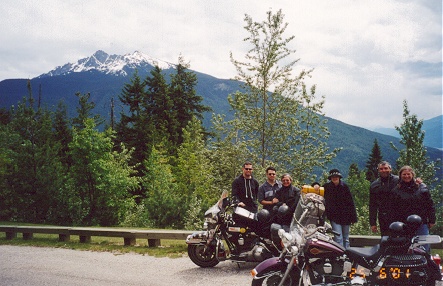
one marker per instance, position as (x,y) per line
(368,56)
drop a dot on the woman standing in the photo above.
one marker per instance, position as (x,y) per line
(410,198)
(340,208)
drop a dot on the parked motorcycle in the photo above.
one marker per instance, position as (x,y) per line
(246,235)
(311,257)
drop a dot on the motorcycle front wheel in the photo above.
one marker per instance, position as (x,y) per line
(273,277)
(202,255)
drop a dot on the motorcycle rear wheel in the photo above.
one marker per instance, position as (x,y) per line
(202,255)
(273,278)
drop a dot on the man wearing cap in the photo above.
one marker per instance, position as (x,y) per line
(340,207)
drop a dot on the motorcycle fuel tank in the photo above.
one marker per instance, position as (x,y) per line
(321,249)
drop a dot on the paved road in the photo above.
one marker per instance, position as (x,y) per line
(21,265)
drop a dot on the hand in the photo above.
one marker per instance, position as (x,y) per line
(274,200)
(374,228)
(241,204)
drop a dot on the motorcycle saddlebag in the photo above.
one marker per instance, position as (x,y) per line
(408,269)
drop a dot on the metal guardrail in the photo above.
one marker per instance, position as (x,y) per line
(130,236)
(85,233)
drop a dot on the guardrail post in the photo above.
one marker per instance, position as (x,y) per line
(10,235)
(154,242)
(129,241)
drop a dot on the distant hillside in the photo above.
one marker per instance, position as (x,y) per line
(433,132)
(99,77)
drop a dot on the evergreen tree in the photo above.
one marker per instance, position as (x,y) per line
(186,102)
(84,111)
(372,164)
(134,129)
(353,170)
(62,133)
(160,116)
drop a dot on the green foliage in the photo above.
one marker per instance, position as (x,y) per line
(99,177)
(414,155)
(359,187)
(414,152)
(282,127)
(164,202)
(195,172)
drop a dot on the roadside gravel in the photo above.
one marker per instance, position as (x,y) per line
(22,265)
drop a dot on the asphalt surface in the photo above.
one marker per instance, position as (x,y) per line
(22,265)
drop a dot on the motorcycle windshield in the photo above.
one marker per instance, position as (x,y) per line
(216,208)
(213,210)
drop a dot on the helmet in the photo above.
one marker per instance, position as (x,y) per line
(397,228)
(413,223)
(263,215)
(283,210)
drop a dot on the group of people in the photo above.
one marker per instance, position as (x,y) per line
(392,198)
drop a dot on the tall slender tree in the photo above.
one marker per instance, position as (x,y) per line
(277,116)
(186,101)
(372,164)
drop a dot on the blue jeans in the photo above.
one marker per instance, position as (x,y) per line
(343,230)
(424,230)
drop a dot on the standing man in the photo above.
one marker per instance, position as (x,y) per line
(266,192)
(380,196)
(245,189)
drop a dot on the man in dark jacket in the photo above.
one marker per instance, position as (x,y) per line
(380,197)
(245,189)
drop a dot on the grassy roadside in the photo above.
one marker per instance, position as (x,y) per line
(169,248)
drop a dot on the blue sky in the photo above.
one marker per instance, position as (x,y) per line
(367,56)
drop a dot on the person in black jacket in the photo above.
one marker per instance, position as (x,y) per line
(410,197)
(380,196)
(339,207)
(245,189)
(287,195)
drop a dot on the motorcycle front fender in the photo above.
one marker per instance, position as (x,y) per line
(270,264)
(199,237)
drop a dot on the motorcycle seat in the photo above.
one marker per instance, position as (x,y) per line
(365,256)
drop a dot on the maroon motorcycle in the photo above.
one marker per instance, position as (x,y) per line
(311,257)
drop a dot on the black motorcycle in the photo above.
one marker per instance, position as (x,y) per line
(311,257)
(246,236)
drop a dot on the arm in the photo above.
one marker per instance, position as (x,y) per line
(373,208)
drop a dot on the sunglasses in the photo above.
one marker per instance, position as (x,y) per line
(248,169)
(271,174)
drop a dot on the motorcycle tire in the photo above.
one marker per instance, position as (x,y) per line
(273,277)
(202,256)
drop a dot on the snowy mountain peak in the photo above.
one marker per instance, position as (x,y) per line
(109,64)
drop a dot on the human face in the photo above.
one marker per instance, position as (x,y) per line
(247,171)
(384,171)
(335,180)
(286,181)
(271,175)
(407,176)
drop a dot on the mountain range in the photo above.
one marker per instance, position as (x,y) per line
(103,76)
